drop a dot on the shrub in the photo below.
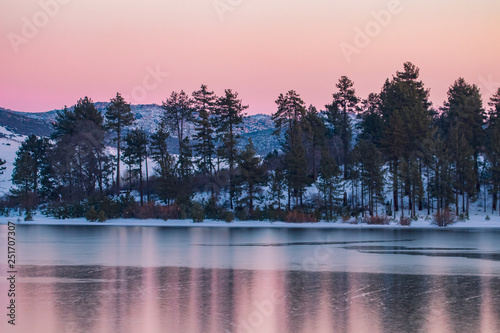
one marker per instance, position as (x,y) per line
(91,214)
(227,216)
(260,214)
(295,216)
(168,212)
(444,217)
(101,217)
(212,209)
(110,207)
(377,220)
(152,210)
(346,218)
(146,211)
(487,218)
(241,213)
(197,212)
(405,221)
(275,214)
(29,215)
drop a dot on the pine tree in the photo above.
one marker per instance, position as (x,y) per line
(494,103)
(178,113)
(493,146)
(289,118)
(251,175)
(371,123)
(315,138)
(295,166)
(344,102)
(372,172)
(404,106)
(134,155)
(229,112)
(23,178)
(118,115)
(329,182)
(79,152)
(276,188)
(2,166)
(291,110)
(441,185)
(204,135)
(463,120)
(185,173)
(165,164)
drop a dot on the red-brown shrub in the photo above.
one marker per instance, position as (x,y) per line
(444,217)
(346,219)
(295,216)
(405,221)
(151,210)
(377,219)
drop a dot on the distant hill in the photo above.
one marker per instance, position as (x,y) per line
(258,127)
(22,124)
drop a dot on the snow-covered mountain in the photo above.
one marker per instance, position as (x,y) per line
(258,127)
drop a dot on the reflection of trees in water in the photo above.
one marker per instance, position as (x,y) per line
(120,299)
(78,303)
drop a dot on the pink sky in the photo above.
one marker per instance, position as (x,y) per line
(259,48)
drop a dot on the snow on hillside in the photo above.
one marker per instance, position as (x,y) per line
(9,144)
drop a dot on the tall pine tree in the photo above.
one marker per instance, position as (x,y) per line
(229,112)
(344,102)
(118,115)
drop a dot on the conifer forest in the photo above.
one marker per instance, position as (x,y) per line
(390,155)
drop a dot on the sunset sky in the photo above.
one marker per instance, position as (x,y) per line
(54,54)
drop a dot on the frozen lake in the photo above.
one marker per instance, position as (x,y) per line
(136,279)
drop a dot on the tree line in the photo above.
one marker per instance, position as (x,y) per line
(341,161)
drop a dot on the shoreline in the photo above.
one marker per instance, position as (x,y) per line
(474,223)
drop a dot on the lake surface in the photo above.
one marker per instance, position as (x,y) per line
(133,279)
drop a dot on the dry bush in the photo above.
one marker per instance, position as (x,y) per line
(152,210)
(405,221)
(295,216)
(444,217)
(377,220)
(346,219)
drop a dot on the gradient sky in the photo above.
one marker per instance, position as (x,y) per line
(260,48)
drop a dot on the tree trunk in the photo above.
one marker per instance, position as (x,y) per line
(118,132)
(140,182)
(147,179)
(495,199)
(395,185)
(250,197)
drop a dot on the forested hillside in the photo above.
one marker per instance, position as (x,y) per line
(402,157)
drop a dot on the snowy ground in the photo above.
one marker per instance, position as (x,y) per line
(476,221)
(8,148)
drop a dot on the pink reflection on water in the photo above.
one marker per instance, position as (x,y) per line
(74,299)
